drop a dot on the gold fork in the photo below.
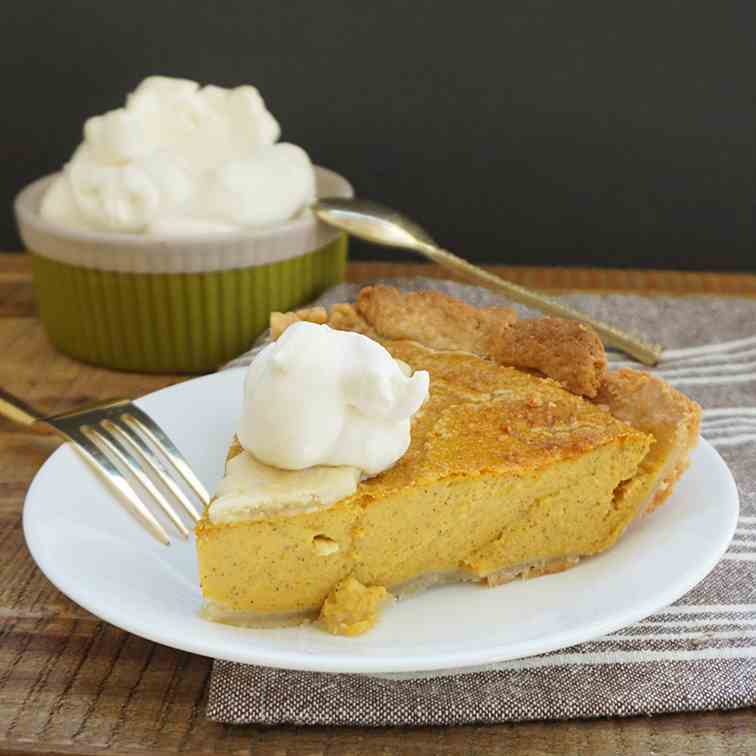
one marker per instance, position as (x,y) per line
(115,437)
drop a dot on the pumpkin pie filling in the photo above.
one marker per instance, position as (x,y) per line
(508,473)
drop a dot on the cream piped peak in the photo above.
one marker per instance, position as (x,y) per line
(318,396)
(179,159)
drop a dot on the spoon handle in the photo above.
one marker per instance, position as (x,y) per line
(647,353)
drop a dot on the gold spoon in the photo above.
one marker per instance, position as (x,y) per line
(382,225)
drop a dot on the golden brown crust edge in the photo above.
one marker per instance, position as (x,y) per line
(564,350)
(432,318)
(645,401)
(651,405)
(280,321)
(530,570)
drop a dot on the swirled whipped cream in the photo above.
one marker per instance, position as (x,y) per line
(322,409)
(180,158)
(318,396)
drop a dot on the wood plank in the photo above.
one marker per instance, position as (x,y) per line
(580,279)
(16,293)
(70,683)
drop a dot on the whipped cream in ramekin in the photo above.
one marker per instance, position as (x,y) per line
(322,409)
(179,158)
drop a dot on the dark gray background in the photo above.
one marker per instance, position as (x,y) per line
(523,132)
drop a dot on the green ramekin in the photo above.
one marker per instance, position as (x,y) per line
(178,304)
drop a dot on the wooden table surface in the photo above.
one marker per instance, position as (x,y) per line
(70,683)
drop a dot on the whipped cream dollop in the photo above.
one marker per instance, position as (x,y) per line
(180,158)
(318,396)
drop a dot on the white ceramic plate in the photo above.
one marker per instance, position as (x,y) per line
(93,551)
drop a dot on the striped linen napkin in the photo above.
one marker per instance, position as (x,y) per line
(698,654)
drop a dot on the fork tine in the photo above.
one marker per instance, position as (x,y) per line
(123,456)
(102,464)
(141,421)
(153,461)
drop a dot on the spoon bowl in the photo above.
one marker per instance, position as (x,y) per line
(372,222)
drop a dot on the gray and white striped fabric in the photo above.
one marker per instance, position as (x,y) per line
(696,655)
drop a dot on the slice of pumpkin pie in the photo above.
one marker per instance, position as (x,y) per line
(505,471)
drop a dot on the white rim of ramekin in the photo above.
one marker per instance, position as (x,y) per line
(179,253)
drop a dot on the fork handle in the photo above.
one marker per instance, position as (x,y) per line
(12,408)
